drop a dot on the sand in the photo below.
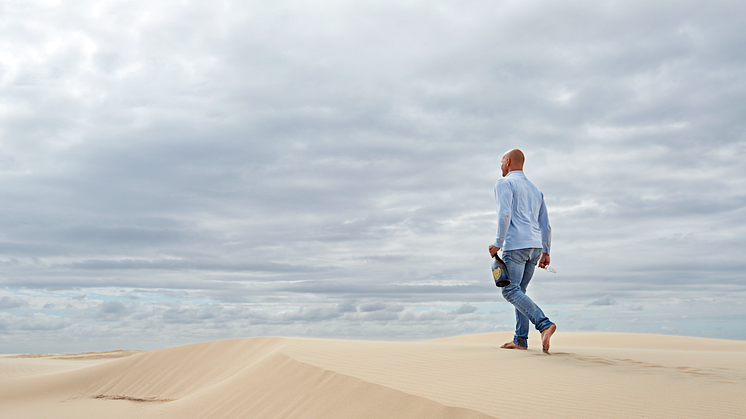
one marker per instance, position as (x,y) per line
(587,375)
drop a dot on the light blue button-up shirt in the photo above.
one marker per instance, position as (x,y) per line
(522,220)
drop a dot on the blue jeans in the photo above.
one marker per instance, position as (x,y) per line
(521,264)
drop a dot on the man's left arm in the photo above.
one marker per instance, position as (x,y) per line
(504,203)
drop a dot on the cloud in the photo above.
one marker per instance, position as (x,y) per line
(323,166)
(604,301)
(373,306)
(8,303)
(466,309)
(32,322)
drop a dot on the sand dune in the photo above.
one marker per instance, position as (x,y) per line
(588,375)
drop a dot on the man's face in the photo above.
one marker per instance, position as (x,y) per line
(504,165)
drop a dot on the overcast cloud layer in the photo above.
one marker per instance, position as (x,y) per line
(174,172)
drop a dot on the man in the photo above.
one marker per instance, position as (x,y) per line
(524,235)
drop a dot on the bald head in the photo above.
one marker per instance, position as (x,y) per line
(512,160)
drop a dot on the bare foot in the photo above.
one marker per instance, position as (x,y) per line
(511,345)
(546,335)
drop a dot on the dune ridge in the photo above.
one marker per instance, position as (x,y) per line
(588,375)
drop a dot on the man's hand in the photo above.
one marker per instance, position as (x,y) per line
(493,250)
(544,261)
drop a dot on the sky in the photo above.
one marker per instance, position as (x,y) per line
(186,171)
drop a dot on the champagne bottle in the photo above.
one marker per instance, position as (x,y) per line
(500,272)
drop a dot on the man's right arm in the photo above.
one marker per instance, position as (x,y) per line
(544,260)
(546,234)
(546,229)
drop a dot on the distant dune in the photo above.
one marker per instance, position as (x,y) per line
(587,375)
